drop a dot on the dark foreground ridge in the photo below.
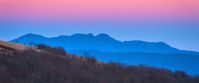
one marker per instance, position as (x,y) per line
(53,65)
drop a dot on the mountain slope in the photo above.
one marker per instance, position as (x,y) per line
(101,42)
(11,46)
(185,62)
(106,49)
(53,65)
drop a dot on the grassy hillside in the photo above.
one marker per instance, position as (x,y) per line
(53,65)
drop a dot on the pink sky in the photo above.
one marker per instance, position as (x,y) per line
(51,10)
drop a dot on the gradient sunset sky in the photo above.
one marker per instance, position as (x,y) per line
(175,22)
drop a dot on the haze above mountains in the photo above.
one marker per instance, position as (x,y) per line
(106,49)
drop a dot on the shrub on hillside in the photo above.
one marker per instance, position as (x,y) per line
(46,67)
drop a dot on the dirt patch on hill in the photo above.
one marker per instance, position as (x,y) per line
(12,46)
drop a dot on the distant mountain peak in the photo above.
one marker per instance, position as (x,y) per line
(102,35)
(163,43)
(145,42)
(101,42)
(82,35)
(32,35)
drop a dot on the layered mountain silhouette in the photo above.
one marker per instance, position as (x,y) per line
(101,42)
(106,49)
(44,64)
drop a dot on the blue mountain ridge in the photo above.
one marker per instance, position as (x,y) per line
(101,42)
(106,49)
